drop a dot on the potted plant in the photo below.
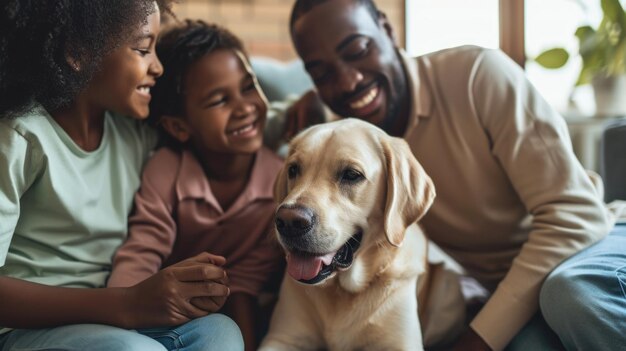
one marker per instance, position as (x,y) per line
(603,53)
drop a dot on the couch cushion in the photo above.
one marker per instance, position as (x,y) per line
(280,79)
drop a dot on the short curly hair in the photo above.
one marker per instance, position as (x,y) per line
(178,48)
(38,37)
(302,7)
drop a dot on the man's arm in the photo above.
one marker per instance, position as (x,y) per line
(531,143)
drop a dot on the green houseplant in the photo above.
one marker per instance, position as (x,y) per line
(603,53)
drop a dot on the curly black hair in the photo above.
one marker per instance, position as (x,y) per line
(37,37)
(301,7)
(178,48)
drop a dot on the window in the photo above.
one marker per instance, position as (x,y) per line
(438,24)
(552,24)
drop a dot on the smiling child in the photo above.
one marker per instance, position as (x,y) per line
(210,189)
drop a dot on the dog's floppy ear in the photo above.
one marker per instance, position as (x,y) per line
(280,185)
(410,191)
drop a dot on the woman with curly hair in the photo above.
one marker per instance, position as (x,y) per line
(75,79)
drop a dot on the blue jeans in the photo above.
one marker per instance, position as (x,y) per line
(584,299)
(212,332)
(536,335)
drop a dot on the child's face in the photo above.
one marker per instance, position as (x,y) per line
(224,110)
(128,72)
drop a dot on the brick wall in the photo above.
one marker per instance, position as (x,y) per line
(263,24)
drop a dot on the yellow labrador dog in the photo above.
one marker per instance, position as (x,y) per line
(349,198)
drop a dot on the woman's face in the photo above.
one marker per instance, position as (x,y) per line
(126,75)
(224,109)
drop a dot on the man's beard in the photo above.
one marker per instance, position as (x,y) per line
(395,104)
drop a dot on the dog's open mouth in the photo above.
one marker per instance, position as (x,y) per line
(312,268)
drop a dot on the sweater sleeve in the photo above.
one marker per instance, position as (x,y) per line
(531,142)
(20,164)
(151,228)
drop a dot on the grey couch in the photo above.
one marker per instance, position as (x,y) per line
(613,161)
(280,79)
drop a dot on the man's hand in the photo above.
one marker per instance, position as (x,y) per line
(470,341)
(187,290)
(307,111)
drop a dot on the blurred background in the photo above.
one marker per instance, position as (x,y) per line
(521,28)
(263,25)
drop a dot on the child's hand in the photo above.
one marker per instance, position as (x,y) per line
(189,289)
(213,303)
(215,259)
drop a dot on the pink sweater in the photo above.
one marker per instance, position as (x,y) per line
(177,216)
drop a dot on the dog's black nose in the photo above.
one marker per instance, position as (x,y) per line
(294,221)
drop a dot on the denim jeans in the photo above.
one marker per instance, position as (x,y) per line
(536,335)
(213,332)
(584,299)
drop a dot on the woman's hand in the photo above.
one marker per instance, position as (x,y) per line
(187,290)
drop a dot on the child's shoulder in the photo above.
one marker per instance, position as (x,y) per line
(162,167)
(30,126)
(267,167)
(270,159)
(165,159)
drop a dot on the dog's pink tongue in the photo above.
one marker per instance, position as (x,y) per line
(306,267)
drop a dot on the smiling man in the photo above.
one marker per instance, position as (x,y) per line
(512,199)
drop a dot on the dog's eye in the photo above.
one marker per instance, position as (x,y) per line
(351,176)
(293,171)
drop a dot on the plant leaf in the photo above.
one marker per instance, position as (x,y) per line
(584,32)
(617,64)
(584,77)
(553,58)
(594,62)
(613,10)
(587,38)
